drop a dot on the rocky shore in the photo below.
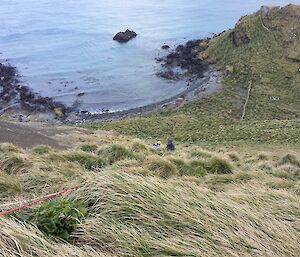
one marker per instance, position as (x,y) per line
(183,63)
(18,98)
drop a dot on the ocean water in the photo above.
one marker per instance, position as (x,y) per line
(65,47)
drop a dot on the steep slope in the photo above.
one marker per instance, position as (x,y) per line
(264,49)
(133,201)
(259,55)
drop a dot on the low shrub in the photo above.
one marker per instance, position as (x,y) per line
(58,219)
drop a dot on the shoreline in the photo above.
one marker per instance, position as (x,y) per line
(209,83)
(19,103)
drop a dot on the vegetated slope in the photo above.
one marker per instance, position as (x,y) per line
(262,50)
(134,201)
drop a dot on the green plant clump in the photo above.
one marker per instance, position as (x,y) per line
(58,219)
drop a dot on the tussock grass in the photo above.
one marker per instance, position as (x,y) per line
(89,162)
(9,185)
(145,216)
(41,149)
(214,165)
(290,159)
(162,168)
(116,153)
(12,164)
(172,205)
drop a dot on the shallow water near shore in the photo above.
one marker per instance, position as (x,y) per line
(64,48)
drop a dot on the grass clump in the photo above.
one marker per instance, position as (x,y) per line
(9,185)
(214,165)
(219,166)
(89,148)
(163,168)
(58,219)
(41,149)
(116,153)
(290,159)
(12,164)
(182,167)
(89,162)
(282,184)
(139,147)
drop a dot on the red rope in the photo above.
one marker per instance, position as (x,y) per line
(55,194)
(38,200)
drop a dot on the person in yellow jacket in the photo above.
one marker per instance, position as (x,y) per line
(157,144)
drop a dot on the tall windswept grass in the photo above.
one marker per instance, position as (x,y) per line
(145,216)
(140,204)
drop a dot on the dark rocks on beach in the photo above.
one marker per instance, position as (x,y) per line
(123,37)
(186,58)
(14,94)
(81,94)
(165,47)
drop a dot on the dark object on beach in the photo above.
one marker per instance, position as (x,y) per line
(187,58)
(165,47)
(81,94)
(170,145)
(123,37)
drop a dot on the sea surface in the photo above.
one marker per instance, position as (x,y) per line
(64,47)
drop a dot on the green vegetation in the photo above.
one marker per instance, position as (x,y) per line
(89,148)
(89,162)
(259,55)
(176,204)
(58,218)
(231,187)
(116,153)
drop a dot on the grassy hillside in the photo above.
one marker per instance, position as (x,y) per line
(231,188)
(133,201)
(262,50)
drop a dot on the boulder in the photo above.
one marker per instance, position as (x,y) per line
(123,37)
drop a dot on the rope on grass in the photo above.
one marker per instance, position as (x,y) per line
(38,200)
(27,203)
